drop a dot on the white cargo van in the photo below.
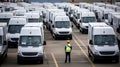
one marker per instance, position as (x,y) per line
(116,23)
(14,27)
(30,46)
(110,17)
(61,27)
(78,14)
(102,42)
(103,14)
(85,18)
(49,15)
(3,42)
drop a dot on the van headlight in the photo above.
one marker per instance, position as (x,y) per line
(96,52)
(117,52)
(19,53)
(40,53)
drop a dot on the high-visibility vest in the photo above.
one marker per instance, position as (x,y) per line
(68,48)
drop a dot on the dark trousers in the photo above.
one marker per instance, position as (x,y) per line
(67,56)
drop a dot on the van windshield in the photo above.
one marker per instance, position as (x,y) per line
(88,19)
(0,40)
(104,40)
(78,16)
(30,41)
(34,20)
(106,16)
(4,20)
(14,28)
(62,24)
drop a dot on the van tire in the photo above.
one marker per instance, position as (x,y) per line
(89,52)
(6,55)
(42,61)
(117,61)
(93,59)
(54,36)
(19,61)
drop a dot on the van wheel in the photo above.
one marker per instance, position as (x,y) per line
(19,61)
(41,61)
(89,53)
(70,38)
(81,30)
(117,61)
(54,37)
(93,59)
(6,55)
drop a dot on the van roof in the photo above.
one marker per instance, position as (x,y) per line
(115,13)
(34,25)
(32,15)
(1,32)
(98,24)
(17,21)
(6,15)
(30,31)
(117,16)
(62,18)
(88,14)
(3,24)
(103,30)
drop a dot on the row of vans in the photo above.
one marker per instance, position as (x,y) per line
(27,30)
(58,23)
(102,38)
(81,17)
(22,28)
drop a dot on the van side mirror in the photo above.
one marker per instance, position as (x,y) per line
(44,43)
(80,21)
(90,42)
(4,43)
(72,26)
(53,26)
(102,17)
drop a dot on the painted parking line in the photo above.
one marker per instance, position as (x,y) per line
(80,41)
(54,59)
(84,52)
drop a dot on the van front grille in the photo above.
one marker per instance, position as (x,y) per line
(15,39)
(63,32)
(107,52)
(29,53)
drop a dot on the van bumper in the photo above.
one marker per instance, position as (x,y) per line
(21,58)
(64,36)
(98,57)
(0,56)
(12,44)
(84,30)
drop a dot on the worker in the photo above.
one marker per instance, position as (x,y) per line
(68,49)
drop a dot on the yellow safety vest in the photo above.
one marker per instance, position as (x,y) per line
(68,49)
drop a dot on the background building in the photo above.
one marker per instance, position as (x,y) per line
(75,1)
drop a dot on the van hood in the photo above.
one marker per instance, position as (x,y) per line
(63,29)
(16,35)
(106,48)
(30,49)
(67,30)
